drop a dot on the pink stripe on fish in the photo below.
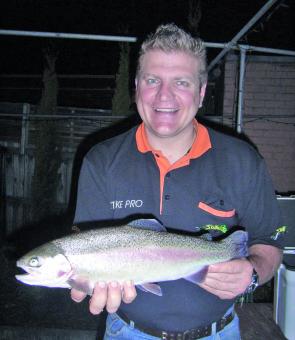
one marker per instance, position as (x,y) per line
(167,254)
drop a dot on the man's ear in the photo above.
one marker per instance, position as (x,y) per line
(202,94)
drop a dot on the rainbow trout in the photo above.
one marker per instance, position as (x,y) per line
(138,252)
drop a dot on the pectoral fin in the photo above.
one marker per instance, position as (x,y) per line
(81,283)
(151,288)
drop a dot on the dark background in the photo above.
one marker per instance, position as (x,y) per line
(220,21)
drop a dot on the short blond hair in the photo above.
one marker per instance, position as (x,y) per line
(171,38)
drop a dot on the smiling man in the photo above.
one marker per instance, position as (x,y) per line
(168,94)
(190,178)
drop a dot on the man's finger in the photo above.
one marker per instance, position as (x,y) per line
(114,297)
(231,267)
(99,298)
(129,292)
(77,295)
(222,294)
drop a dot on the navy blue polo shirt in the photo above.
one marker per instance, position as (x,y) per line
(220,183)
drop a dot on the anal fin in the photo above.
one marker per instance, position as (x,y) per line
(198,276)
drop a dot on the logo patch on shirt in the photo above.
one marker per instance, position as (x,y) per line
(217,227)
(126,204)
(279,231)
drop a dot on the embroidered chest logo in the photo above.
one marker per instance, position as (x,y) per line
(279,231)
(126,204)
(216,227)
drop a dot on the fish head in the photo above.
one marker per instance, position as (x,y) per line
(45,266)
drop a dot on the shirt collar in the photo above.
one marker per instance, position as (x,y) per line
(202,142)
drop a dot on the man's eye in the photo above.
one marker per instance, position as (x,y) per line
(151,81)
(182,83)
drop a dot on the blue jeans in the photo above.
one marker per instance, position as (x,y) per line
(117,329)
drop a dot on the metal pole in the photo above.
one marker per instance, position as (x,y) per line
(267,50)
(236,38)
(241,91)
(59,35)
(215,45)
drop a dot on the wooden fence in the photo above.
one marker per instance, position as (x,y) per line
(78,129)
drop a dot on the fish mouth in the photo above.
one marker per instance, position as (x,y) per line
(39,277)
(52,271)
(28,270)
(27,275)
(26,278)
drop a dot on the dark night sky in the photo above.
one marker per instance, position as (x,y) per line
(221,20)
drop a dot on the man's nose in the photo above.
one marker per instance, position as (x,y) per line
(165,92)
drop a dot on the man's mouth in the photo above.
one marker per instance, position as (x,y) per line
(166,110)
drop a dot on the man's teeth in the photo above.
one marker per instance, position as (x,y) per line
(166,110)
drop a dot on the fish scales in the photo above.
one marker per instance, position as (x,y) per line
(125,237)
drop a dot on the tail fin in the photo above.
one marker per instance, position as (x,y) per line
(238,242)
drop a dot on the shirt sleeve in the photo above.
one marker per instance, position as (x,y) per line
(92,195)
(262,216)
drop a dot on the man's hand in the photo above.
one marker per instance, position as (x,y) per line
(107,296)
(228,279)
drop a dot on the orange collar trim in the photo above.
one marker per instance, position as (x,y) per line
(201,143)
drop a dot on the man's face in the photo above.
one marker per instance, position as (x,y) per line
(168,93)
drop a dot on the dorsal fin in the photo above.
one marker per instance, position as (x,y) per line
(149,224)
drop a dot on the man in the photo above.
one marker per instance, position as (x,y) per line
(190,178)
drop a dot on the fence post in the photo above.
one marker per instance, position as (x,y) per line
(239,118)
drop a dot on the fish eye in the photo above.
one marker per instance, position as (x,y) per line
(35,262)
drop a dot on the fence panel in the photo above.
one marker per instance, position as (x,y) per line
(17,145)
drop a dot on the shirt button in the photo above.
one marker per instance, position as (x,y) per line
(167,197)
